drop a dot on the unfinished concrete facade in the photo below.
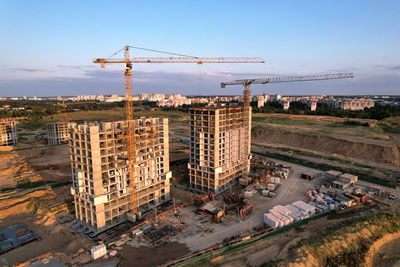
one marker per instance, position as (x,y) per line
(8,132)
(100,173)
(219,147)
(57,133)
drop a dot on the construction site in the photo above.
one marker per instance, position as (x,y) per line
(8,132)
(100,173)
(219,147)
(57,133)
(116,197)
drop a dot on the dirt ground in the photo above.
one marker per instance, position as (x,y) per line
(291,189)
(311,117)
(277,247)
(37,162)
(141,256)
(54,235)
(388,254)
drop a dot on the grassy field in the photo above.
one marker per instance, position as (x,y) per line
(315,125)
(117,114)
(391,125)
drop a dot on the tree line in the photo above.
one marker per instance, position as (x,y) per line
(299,108)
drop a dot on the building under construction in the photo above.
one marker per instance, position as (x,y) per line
(57,133)
(8,132)
(100,171)
(219,147)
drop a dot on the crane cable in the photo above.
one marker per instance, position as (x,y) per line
(151,50)
(163,52)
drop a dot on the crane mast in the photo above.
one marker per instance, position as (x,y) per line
(130,134)
(246,82)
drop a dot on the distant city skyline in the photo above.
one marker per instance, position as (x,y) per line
(48,46)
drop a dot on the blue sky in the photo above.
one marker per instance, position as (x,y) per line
(46,47)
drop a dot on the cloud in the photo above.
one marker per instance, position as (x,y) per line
(76,67)
(388,67)
(27,69)
(342,70)
(110,81)
(394,67)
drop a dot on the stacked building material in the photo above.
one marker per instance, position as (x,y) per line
(305,207)
(309,195)
(278,216)
(275,180)
(348,178)
(271,187)
(98,251)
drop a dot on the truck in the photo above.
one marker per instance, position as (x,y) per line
(307,177)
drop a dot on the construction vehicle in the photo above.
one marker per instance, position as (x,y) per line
(246,82)
(307,177)
(128,61)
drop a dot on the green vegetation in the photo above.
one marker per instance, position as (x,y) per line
(362,175)
(347,243)
(356,123)
(116,114)
(313,126)
(298,108)
(26,184)
(391,125)
(34,111)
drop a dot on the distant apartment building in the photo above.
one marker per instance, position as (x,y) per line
(356,104)
(100,171)
(8,132)
(312,104)
(219,147)
(112,98)
(57,133)
(286,104)
(260,101)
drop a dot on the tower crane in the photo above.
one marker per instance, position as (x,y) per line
(246,82)
(128,61)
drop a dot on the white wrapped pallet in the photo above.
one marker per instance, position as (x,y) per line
(277,180)
(283,219)
(271,187)
(265,193)
(305,207)
(271,220)
(98,251)
(291,208)
(248,194)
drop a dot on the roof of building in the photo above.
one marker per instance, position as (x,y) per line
(14,236)
(333,172)
(351,176)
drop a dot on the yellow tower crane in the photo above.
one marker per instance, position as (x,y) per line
(127,60)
